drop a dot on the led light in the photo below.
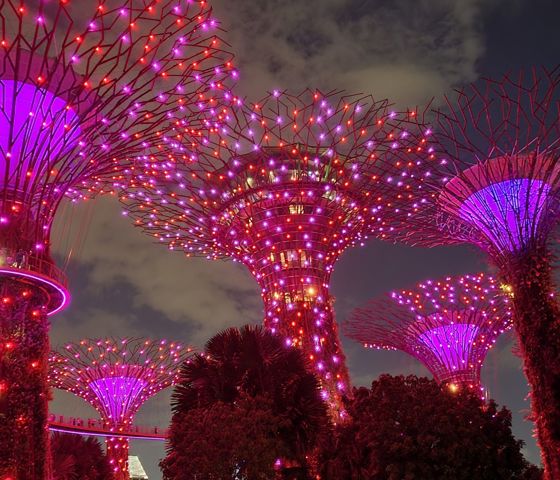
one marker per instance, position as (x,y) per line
(449,325)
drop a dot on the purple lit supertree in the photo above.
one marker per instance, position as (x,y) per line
(449,325)
(284,186)
(495,183)
(83,86)
(116,377)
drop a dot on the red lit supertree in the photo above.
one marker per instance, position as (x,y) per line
(116,377)
(83,84)
(495,183)
(284,186)
(449,325)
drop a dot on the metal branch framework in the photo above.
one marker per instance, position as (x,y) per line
(449,325)
(494,178)
(116,377)
(283,186)
(84,87)
(495,182)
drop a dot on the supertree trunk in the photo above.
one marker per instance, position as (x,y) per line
(117,452)
(304,316)
(537,321)
(23,380)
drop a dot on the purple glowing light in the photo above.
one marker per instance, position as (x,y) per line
(451,344)
(40,129)
(508,212)
(118,395)
(448,324)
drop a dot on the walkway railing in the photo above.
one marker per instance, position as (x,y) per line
(15,260)
(97,427)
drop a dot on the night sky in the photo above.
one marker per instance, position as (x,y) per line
(406,50)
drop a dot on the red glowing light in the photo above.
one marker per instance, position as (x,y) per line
(284,198)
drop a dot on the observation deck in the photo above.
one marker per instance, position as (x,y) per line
(39,272)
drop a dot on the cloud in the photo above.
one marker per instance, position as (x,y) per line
(74,326)
(202,295)
(409,51)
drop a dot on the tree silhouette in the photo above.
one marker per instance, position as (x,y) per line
(251,362)
(414,428)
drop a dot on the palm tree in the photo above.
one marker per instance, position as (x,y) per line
(252,361)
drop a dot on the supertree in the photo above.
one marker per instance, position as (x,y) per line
(284,186)
(116,377)
(494,181)
(449,325)
(83,85)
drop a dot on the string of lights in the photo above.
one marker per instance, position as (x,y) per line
(283,186)
(84,87)
(449,325)
(116,377)
(494,182)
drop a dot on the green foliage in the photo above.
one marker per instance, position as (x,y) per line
(224,440)
(78,458)
(414,429)
(241,364)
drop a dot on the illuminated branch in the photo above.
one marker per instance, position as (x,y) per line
(85,86)
(448,325)
(117,377)
(494,181)
(283,186)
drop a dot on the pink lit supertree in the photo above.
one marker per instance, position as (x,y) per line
(495,183)
(449,325)
(83,85)
(284,186)
(116,377)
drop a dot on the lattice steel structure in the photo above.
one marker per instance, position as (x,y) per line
(284,187)
(83,86)
(449,325)
(495,183)
(116,377)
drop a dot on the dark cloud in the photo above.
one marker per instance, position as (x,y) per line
(408,51)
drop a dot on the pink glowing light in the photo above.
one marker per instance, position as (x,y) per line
(284,187)
(503,203)
(117,376)
(491,177)
(118,395)
(68,127)
(452,344)
(41,128)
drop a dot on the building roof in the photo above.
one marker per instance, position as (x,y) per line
(135,469)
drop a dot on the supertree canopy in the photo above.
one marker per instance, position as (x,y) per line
(449,325)
(495,183)
(83,86)
(116,377)
(284,186)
